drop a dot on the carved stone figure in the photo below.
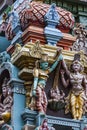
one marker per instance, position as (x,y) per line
(56,95)
(14,19)
(78,89)
(6,101)
(40,73)
(4,57)
(81,39)
(56,101)
(44,126)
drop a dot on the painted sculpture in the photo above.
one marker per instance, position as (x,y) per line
(78,89)
(56,101)
(6,102)
(40,73)
(81,39)
(4,57)
(44,126)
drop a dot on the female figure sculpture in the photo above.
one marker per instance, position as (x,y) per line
(78,92)
(40,78)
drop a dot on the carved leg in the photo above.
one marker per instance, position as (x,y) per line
(77,107)
(28,85)
(44,101)
(73,105)
(81,103)
(39,100)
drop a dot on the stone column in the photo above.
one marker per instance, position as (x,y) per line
(18,103)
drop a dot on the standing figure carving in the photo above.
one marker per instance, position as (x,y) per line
(78,88)
(6,102)
(40,73)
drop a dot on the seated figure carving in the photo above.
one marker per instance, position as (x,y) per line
(6,102)
(56,95)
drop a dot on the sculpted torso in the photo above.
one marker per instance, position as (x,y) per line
(76,82)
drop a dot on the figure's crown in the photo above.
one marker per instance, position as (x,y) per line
(44,57)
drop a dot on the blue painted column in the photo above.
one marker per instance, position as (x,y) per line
(29,118)
(52,34)
(32,119)
(18,103)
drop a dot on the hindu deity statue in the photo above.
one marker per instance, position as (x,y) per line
(40,73)
(56,95)
(78,88)
(6,102)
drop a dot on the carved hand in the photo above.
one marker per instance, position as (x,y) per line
(62,72)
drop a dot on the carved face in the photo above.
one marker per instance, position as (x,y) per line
(45,124)
(44,65)
(76,67)
(4,91)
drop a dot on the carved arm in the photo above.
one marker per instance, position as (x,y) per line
(65,67)
(64,82)
(85,85)
(56,63)
(35,74)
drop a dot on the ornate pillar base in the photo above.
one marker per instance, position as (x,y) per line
(31,119)
(39,119)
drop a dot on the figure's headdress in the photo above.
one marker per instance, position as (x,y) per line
(77,61)
(44,57)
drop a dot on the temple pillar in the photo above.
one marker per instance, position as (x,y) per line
(18,103)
